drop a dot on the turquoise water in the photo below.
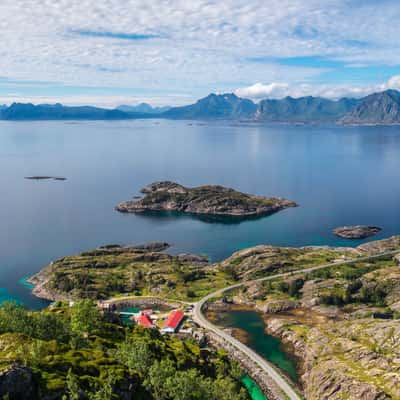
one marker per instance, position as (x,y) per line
(253,389)
(126,318)
(338,175)
(266,345)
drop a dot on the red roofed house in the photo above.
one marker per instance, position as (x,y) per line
(145,321)
(173,321)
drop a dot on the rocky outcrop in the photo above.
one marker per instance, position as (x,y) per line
(17,383)
(277,306)
(204,200)
(356,232)
(353,360)
(379,246)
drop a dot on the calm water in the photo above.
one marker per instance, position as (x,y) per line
(337,175)
(266,345)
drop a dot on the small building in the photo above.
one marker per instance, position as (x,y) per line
(148,312)
(145,321)
(173,321)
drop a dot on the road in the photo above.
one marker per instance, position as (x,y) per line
(281,382)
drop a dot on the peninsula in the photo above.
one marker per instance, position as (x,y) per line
(206,200)
(331,306)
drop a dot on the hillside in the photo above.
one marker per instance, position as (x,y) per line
(142,108)
(139,270)
(80,353)
(18,111)
(304,109)
(224,106)
(379,108)
(343,322)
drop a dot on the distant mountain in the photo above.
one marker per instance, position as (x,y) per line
(304,109)
(378,108)
(143,108)
(3,107)
(19,111)
(214,106)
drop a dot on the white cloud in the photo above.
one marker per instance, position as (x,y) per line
(393,83)
(200,45)
(278,90)
(261,91)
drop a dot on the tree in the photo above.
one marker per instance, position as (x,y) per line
(85,318)
(72,386)
(104,391)
(156,381)
(136,355)
(37,352)
(188,385)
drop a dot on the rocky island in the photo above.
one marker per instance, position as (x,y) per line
(205,200)
(356,232)
(44,178)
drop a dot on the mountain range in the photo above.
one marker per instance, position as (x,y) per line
(378,108)
(143,108)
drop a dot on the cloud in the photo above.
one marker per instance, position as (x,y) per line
(196,47)
(393,83)
(261,91)
(278,90)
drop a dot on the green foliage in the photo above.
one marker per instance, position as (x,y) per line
(374,293)
(85,318)
(295,286)
(98,359)
(158,376)
(135,354)
(168,383)
(72,384)
(45,326)
(104,389)
(231,272)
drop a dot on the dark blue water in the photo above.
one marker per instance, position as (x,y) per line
(337,175)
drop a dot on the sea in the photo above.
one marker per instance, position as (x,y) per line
(337,175)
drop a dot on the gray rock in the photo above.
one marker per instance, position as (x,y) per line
(356,232)
(17,382)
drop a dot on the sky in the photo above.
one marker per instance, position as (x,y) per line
(172,52)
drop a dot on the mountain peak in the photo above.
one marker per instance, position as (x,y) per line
(215,106)
(377,108)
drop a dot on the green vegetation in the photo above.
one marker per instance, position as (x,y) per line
(79,353)
(261,261)
(140,271)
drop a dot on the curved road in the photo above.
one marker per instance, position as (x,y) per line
(282,383)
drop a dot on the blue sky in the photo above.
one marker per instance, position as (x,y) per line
(108,52)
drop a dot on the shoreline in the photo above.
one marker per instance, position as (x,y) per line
(242,335)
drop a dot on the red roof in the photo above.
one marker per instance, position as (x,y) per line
(174,319)
(145,321)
